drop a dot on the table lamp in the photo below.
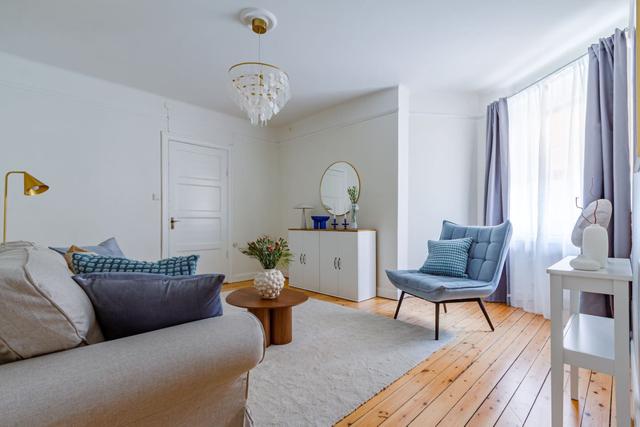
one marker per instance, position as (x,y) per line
(32,186)
(303,207)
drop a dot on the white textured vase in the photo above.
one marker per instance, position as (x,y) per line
(595,244)
(269,283)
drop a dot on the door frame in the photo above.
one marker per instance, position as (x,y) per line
(166,138)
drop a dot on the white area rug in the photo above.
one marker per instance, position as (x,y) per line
(339,358)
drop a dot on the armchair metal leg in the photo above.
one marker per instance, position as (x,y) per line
(486,315)
(437,320)
(395,316)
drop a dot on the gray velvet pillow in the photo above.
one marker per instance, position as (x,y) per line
(133,303)
(107,248)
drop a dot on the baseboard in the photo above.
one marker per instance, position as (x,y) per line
(391,293)
(241,277)
(635,383)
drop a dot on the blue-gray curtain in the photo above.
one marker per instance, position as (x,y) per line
(607,172)
(496,201)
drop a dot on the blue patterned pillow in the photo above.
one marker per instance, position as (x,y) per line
(176,266)
(447,257)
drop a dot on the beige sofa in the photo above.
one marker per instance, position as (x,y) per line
(195,374)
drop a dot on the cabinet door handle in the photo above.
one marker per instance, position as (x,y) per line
(304,259)
(335,261)
(339,263)
(300,258)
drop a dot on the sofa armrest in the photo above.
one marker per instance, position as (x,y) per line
(132,379)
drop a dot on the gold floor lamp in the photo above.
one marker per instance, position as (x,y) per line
(31,187)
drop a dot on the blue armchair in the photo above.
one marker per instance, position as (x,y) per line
(486,260)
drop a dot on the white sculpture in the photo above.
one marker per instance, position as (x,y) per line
(590,234)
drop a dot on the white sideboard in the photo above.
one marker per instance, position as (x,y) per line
(334,262)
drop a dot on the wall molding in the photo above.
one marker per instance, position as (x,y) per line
(241,277)
(156,107)
(448,115)
(337,125)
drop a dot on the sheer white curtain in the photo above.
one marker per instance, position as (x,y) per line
(546,146)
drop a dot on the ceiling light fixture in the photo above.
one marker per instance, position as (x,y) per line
(260,89)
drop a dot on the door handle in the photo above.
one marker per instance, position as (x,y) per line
(304,259)
(339,263)
(335,261)
(173,222)
(300,258)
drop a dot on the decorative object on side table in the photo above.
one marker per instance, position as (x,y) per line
(354,194)
(303,207)
(271,254)
(590,234)
(320,222)
(31,187)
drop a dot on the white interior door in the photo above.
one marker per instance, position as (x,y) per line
(198,204)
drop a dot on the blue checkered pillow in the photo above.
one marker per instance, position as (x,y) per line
(176,266)
(447,257)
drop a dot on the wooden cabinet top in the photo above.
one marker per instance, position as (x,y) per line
(339,230)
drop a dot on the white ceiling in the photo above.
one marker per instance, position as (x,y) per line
(333,50)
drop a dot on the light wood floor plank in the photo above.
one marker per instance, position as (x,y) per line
(383,402)
(495,400)
(507,331)
(394,400)
(597,407)
(493,363)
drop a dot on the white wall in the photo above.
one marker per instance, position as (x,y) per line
(416,156)
(443,153)
(97,144)
(363,132)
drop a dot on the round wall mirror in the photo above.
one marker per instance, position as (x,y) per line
(333,187)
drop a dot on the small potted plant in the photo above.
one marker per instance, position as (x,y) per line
(271,254)
(354,194)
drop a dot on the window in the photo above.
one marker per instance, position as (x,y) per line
(546,149)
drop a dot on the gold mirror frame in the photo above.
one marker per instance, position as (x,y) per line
(327,208)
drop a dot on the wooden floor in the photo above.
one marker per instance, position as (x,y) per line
(480,378)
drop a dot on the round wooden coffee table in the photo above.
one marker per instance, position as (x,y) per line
(275,314)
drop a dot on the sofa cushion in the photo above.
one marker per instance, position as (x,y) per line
(109,247)
(447,257)
(42,310)
(175,266)
(133,303)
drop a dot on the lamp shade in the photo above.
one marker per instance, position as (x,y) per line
(33,186)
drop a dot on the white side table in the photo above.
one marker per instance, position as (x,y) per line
(597,343)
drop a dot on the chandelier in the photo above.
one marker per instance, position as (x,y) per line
(260,89)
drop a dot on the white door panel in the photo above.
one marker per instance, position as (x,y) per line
(296,268)
(311,261)
(198,202)
(348,265)
(198,198)
(328,263)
